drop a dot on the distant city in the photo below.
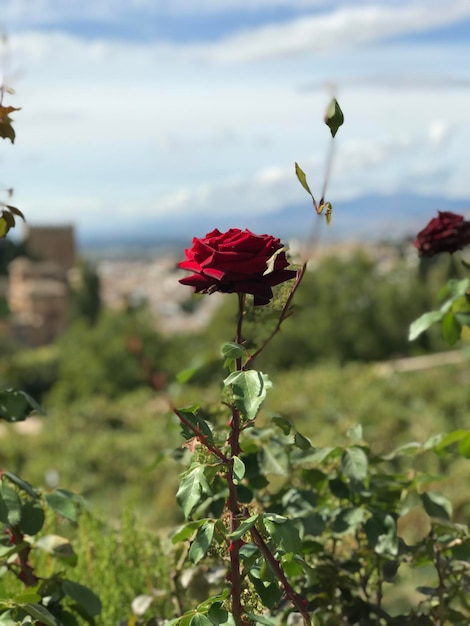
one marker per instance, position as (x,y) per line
(365,219)
(139,264)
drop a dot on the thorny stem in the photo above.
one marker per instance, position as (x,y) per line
(26,572)
(232,501)
(285,313)
(200,436)
(441,586)
(329,163)
(296,600)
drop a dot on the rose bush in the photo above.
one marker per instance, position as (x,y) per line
(448,232)
(236,261)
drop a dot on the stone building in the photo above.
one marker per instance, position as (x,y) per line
(51,243)
(38,292)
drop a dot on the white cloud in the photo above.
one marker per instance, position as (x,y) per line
(438,132)
(338,29)
(25,13)
(120,131)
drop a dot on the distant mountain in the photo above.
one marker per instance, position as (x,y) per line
(371,218)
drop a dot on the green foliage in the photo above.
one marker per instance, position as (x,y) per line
(341,521)
(121,561)
(33,370)
(113,453)
(15,406)
(346,309)
(9,250)
(453,315)
(29,594)
(85,296)
(121,352)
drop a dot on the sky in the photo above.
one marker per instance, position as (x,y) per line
(134,110)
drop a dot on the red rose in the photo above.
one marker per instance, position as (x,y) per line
(447,232)
(236,261)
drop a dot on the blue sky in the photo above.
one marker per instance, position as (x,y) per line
(139,109)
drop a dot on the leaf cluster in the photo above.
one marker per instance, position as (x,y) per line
(340,521)
(54,600)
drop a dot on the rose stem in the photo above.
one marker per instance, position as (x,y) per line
(296,600)
(285,313)
(232,501)
(329,163)
(199,436)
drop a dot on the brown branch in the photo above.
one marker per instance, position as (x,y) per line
(296,600)
(285,313)
(200,436)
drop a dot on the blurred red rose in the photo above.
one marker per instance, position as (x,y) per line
(447,232)
(236,261)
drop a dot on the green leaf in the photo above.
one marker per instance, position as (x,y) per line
(269,592)
(202,542)
(244,527)
(458,288)
(348,520)
(220,616)
(249,391)
(451,328)
(448,439)
(85,598)
(4,227)
(464,447)
(11,512)
(197,422)
(187,531)
(32,518)
(463,318)
(284,533)
(274,459)
(354,463)
(200,620)
(436,505)
(302,179)
(192,485)
(238,469)
(355,433)
(334,117)
(21,484)
(302,442)
(232,350)
(282,423)
(216,600)
(185,375)
(423,323)
(261,619)
(27,596)
(381,532)
(40,613)
(15,406)
(63,503)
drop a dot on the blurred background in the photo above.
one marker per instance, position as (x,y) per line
(144,123)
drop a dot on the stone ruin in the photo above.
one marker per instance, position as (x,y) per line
(38,290)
